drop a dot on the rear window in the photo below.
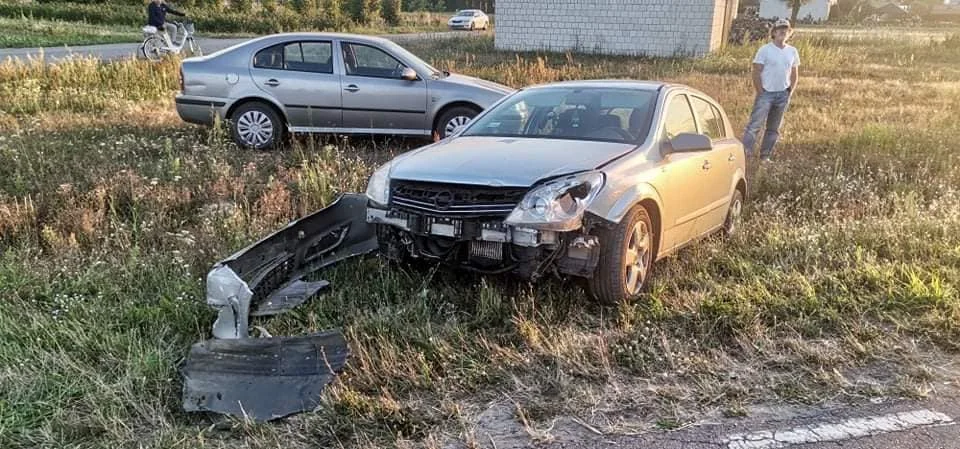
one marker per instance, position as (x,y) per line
(269,58)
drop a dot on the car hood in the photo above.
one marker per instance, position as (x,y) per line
(464,80)
(503,161)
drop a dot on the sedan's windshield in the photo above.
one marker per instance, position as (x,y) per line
(593,113)
(417,64)
(465,14)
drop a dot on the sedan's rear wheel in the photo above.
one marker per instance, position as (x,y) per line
(626,254)
(453,120)
(256,125)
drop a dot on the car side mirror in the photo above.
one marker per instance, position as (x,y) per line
(409,74)
(688,143)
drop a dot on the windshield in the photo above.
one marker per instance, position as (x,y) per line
(593,113)
(416,63)
(466,14)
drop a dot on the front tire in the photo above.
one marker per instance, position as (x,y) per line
(453,119)
(194,47)
(627,253)
(256,126)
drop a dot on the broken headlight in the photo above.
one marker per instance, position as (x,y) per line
(378,189)
(557,205)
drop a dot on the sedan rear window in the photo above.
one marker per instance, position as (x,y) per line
(269,58)
(596,114)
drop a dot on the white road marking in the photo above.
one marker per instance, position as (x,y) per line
(852,428)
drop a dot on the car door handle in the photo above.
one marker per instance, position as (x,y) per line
(351,88)
(272,82)
(731,158)
(706,165)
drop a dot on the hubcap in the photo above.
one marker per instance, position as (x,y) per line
(637,259)
(733,219)
(254,128)
(455,124)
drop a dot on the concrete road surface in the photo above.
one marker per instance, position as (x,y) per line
(894,424)
(109,52)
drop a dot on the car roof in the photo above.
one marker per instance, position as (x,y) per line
(318,35)
(587,84)
(621,84)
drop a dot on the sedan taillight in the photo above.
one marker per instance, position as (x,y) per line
(181,79)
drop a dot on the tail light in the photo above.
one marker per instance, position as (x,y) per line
(181,79)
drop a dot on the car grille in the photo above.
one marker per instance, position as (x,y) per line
(455,200)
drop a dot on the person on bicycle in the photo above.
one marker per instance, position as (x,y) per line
(157,16)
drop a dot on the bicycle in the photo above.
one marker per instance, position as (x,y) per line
(156,43)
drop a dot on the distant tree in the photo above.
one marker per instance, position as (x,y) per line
(390,9)
(795,8)
(243,5)
(371,11)
(334,11)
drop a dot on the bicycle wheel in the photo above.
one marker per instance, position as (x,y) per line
(152,48)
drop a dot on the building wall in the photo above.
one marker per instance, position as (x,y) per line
(817,10)
(625,27)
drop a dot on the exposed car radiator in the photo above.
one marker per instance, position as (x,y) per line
(486,250)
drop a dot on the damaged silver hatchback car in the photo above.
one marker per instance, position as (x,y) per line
(593,179)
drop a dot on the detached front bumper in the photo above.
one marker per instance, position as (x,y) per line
(200,110)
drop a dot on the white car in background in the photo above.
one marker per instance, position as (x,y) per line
(469,19)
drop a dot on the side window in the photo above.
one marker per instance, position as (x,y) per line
(720,123)
(679,118)
(292,56)
(364,60)
(309,57)
(709,121)
(300,56)
(269,58)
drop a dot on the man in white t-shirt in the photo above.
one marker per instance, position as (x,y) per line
(775,80)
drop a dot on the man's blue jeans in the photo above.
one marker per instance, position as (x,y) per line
(769,107)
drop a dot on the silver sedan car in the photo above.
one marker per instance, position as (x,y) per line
(469,19)
(327,83)
(592,179)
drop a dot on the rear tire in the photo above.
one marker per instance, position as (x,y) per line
(453,119)
(732,223)
(150,48)
(627,252)
(256,126)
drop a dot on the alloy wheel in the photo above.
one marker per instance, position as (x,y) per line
(255,128)
(637,259)
(455,124)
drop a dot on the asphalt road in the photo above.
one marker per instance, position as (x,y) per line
(894,424)
(915,425)
(110,52)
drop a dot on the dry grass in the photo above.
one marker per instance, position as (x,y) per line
(842,284)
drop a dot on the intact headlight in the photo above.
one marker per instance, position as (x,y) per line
(378,188)
(557,205)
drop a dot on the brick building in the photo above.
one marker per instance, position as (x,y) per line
(624,27)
